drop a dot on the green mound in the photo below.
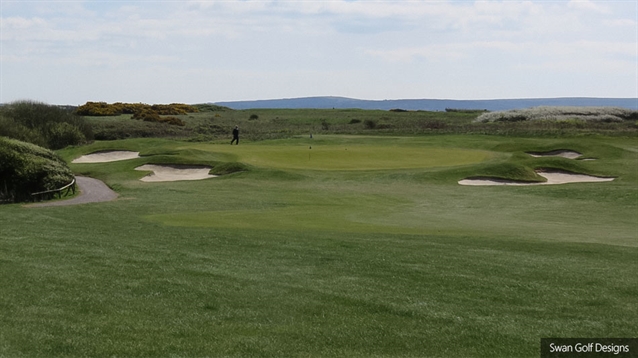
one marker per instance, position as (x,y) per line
(349,156)
(27,168)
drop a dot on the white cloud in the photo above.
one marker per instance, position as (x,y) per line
(589,5)
(567,52)
(442,52)
(368,46)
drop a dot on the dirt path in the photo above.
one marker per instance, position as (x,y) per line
(91,191)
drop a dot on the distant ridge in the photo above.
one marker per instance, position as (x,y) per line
(431,104)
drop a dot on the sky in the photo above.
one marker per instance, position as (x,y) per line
(73,51)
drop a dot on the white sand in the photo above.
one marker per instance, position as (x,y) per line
(569,154)
(104,157)
(174,172)
(553,178)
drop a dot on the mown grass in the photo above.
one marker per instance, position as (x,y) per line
(284,259)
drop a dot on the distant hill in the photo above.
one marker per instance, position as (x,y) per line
(431,104)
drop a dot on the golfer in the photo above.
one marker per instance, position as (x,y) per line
(235,135)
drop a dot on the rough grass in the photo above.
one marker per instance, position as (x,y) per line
(276,261)
(285,123)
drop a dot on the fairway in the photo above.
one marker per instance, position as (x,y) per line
(359,247)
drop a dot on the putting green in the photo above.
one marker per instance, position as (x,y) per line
(349,156)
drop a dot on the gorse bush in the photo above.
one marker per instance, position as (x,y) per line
(173,109)
(46,125)
(118,108)
(147,115)
(207,107)
(145,112)
(26,168)
(602,114)
(97,109)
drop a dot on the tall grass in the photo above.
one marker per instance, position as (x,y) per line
(42,124)
(286,123)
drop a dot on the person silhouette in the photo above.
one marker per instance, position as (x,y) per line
(235,135)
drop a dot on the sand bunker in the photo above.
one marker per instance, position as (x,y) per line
(569,154)
(553,178)
(104,157)
(174,172)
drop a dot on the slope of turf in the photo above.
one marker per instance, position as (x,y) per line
(287,259)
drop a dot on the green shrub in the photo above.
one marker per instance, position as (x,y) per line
(27,168)
(253,117)
(12,129)
(61,135)
(354,121)
(46,125)
(370,124)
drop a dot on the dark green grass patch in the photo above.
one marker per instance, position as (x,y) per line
(138,290)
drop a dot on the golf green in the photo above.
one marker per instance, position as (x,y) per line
(348,155)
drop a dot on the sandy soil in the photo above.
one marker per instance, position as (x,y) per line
(104,157)
(569,154)
(174,172)
(553,178)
